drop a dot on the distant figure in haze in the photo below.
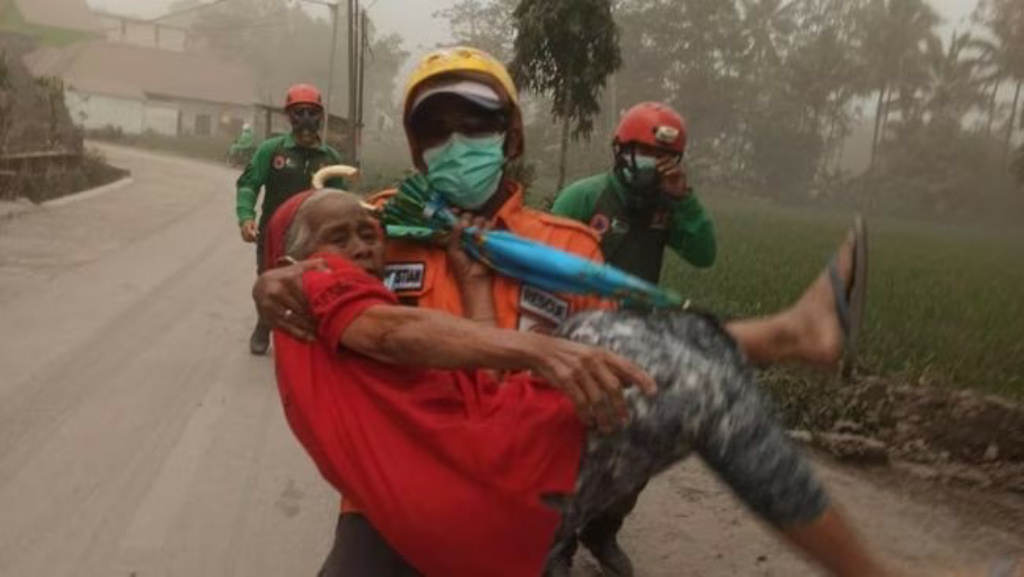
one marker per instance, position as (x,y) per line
(283,166)
(240,151)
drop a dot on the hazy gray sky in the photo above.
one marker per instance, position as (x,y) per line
(412,18)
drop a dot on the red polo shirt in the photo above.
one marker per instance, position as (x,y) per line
(448,465)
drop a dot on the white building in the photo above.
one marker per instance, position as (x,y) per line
(136,89)
(145,33)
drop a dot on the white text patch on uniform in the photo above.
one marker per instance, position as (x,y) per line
(540,303)
(404,276)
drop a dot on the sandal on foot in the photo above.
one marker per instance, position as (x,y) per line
(850,296)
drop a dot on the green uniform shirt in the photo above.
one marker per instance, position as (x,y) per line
(691,232)
(285,169)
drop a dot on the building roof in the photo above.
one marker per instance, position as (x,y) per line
(133,71)
(67,14)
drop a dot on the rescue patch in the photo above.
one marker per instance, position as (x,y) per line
(543,304)
(405,276)
(279,162)
(600,223)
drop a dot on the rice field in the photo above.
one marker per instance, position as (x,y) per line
(945,303)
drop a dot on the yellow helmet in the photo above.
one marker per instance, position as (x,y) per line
(474,64)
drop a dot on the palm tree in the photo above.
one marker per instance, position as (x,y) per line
(1003,53)
(767,24)
(894,34)
(953,85)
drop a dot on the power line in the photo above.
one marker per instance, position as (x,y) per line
(265,23)
(188,10)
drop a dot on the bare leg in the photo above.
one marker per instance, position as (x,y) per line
(832,542)
(809,331)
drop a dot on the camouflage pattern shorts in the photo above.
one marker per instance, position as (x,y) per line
(707,402)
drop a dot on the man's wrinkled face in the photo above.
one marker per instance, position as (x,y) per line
(343,227)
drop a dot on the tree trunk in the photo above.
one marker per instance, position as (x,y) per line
(992,107)
(1013,120)
(564,155)
(878,124)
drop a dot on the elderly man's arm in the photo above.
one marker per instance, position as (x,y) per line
(592,377)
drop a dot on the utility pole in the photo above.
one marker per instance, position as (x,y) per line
(330,67)
(364,26)
(353,78)
(333,7)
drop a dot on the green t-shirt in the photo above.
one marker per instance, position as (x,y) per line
(285,169)
(691,231)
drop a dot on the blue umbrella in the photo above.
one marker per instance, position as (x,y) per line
(416,212)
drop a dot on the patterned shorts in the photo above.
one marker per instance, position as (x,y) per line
(707,403)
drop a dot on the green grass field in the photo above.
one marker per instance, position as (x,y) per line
(945,304)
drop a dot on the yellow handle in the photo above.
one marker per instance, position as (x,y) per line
(328,172)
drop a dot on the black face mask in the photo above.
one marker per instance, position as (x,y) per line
(642,184)
(306,122)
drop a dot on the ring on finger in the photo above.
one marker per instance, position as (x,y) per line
(288,314)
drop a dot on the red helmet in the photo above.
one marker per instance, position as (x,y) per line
(653,124)
(303,94)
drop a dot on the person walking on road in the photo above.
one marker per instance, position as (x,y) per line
(282,166)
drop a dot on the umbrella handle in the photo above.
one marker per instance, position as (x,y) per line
(335,171)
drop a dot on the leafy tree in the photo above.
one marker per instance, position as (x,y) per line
(953,86)
(483,24)
(894,34)
(566,50)
(262,34)
(1003,52)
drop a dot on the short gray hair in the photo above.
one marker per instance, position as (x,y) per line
(299,236)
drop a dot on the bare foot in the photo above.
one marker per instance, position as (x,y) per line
(815,315)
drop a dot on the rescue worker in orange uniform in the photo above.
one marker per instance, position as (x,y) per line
(464,125)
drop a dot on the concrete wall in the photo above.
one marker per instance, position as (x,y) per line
(163,116)
(161,119)
(97,111)
(146,34)
(221,119)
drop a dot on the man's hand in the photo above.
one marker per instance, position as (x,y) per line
(465,268)
(593,378)
(475,279)
(673,178)
(281,302)
(249,230)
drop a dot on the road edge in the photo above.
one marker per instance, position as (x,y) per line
(88,193)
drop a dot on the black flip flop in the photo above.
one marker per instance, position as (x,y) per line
(850,297)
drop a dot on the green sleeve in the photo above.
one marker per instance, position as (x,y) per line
(693,233)
(577,201)
(252,180)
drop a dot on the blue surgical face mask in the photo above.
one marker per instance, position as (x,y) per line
(466,170)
